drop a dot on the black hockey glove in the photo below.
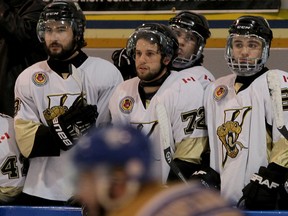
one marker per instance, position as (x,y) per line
(263,190)
(74,123)
(283,195)
(207,177)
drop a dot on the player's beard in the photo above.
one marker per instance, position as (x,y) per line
(65,53)
(151,76)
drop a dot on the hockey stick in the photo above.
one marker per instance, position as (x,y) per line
(276,97)
(164,125)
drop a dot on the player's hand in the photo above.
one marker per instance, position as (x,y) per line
(207,177)
(262,191)
(74,123)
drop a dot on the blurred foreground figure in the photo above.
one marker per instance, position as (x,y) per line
(114,178)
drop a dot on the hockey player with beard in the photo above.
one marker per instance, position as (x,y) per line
(192,31)
(57,101)
(135,101)
(246,147)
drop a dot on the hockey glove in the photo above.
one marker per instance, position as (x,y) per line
(207,177)
(74,123)
(262,191)
(283,199)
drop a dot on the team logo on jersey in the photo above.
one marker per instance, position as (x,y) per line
(220,92)
(39,78)
(229,132)
(59,104)
(126,104)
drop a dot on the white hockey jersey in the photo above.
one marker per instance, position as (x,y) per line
(237,128)
(182,96)
(200,73)
(13,172)
(41,94)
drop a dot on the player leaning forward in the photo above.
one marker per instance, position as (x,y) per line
(58,100)
(246,148)
(154,46)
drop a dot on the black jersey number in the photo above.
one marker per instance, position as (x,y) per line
(195,119)
(9,167)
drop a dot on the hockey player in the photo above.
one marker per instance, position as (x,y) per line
(12,163)
(137,102)
(57,101)
(192,31)
(114,179)
(246,148)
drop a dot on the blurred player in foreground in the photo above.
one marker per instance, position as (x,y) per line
(114,178)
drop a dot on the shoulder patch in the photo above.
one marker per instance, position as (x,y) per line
(126,104)
(39,78)
(220,92)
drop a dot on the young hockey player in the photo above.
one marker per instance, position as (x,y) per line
(246,147)
(192,31)
(57,101)
(156,92)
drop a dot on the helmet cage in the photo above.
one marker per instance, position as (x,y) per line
(167,46)
(182,62)
(250,66)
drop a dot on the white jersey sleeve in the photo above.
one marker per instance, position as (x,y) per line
(278,151)
(12,167)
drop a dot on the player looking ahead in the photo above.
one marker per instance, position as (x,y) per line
(246,148)
(57,101)
(154,46)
